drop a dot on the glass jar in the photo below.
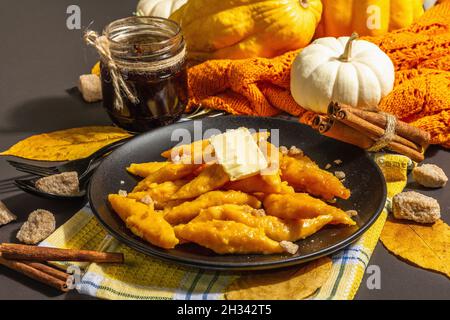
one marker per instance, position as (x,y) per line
(150,55)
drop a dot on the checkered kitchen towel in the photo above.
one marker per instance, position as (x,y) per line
(143,277)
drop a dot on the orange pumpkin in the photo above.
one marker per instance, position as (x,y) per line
(366,17)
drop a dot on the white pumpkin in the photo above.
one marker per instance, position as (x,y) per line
(158,8)
(353,72)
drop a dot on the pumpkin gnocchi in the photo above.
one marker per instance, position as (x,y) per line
(178,202)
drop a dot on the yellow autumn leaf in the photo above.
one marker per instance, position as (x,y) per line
(293,283)
(96,69)
(67,144)
(427,246)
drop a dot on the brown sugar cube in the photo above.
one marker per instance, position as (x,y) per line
(65,183)
(40,224)
(90,87)
(6,216)
(430,175)
(415,206)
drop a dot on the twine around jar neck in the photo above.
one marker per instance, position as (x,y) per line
(101,43)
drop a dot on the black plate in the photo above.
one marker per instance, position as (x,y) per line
(363,177)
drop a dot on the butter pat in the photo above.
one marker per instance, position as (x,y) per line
(238,153)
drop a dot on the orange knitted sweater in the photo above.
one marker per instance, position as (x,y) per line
(421,96)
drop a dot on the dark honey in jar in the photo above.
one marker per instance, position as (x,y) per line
(149,54)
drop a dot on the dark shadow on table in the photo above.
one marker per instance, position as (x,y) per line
(49,292)
(414,186)
(74,295)
(7,185)
(55,113)
(432,151)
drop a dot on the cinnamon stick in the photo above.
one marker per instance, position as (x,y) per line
(352,120)
(402,149)
(58,274)
(419,136)
(33,253)
(35,274)
(339,131)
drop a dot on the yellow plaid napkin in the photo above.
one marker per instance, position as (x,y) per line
(143,277)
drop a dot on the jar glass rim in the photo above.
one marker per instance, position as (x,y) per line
(142,20)
(144,38)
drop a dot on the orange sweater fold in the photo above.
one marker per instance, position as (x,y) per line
(249,86)
(421,96)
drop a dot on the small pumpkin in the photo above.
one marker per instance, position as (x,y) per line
(346,70)
(158,8)
(246,28)
(367,17)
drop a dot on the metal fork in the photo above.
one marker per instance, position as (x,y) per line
(81,166)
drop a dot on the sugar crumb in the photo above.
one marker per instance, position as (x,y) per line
(294,151)
(340,175)
(351,213)
(284,151)
(259,212)
(176,159)
(147,200)
(289,247)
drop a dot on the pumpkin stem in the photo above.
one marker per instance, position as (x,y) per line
(346,56)
(304,3)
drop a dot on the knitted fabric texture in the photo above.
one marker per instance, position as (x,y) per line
(421,95)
